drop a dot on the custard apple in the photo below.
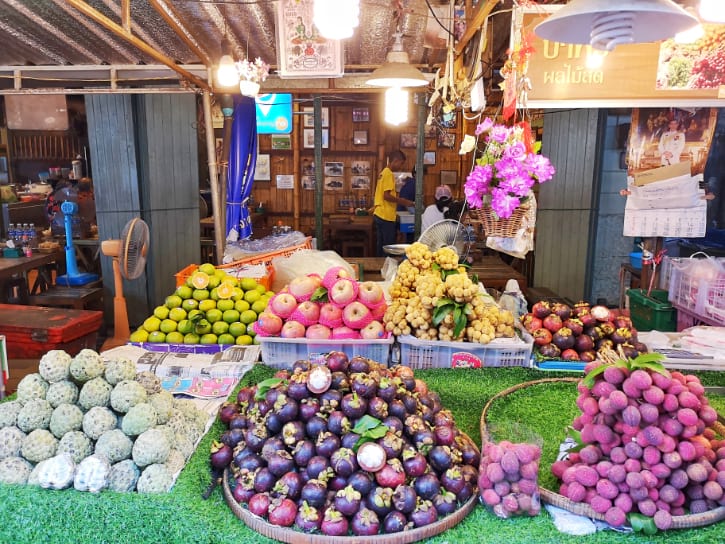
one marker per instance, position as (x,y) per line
(123,476)
(95,392)
(114,445)
(175,461)
(92,474)
(9,412)
(35,414)
(34,476)
(54,365)
(86,366)
(168,432)
(76,444)
(150,447)
(127,394)
(184,445)
(39,445)
(11,440)
(150,381)
(154,479)
(139,419)
(57,472)
(14,470)
(62,392)
(163,401)
(32,386)
(97,421)
(65,418)
(118,370)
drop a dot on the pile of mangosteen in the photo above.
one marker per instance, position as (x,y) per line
(577,333)
(345,447)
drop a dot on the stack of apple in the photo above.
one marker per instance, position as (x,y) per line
(578,333)
(336,307)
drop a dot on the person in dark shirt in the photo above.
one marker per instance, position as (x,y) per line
(407,190)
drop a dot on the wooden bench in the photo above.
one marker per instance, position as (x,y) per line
(79,298)
(535,294)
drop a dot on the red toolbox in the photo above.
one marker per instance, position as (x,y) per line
(31,331)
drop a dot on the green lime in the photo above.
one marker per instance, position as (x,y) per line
(226,339)
(206,305)
(225,305)
(244,340)
(183,291)
(220,327)
(185,326)
(237,294)
(173,301)
(259,305)
(190,304)
(208,269)
(252,296)
(208,339)
(199,280)
(242,305)
(195,314)
(214,315)
(248,316)
(168,325)
(269,294)
(230,316)
(261,289)
(162,312)
(157,336)
(250,330)
(202,327)
(200,294)
(191,338)
(139,336)
(237,329)
(152,324)
(214,282)
(248,284)
(175,338)
(177,314)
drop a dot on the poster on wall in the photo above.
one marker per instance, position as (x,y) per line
(301,51)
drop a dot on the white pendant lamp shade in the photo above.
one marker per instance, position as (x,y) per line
(397,70)
(607,23)
(227,74)
(336,19)
(396,106)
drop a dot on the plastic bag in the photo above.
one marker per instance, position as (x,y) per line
(308,261)
(500,464)
(513,299)
(523,242)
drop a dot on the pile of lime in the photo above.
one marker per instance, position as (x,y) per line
(211,307)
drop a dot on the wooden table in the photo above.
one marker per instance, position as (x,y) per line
(16,269)
(357,226)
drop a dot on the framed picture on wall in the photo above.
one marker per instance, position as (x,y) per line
(449,177)
(360,137)
(308,167)
(360,182)
(281,141)
(408,140)
(309,138)
(360,115)
(429,157)
(431,131)
(360,168)
(261,170)
(447,139)
(308,183)
(334,168)
(334,183)
(308,119)
(285,181)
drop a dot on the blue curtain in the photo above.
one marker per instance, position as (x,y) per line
(242,162)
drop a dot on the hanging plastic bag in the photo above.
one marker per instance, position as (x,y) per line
(523,241)
(513,299)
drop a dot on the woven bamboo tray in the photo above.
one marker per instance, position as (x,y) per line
(689,521)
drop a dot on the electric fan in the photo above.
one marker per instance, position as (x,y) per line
(72,277)
(129,258)
(447,233)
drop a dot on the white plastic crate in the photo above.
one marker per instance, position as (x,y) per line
(501,352)
(698,287)
(283,352)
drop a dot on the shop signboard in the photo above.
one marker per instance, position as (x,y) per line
(274,113)
(648,74)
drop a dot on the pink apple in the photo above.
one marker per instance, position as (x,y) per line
(334,274)
(283,304)
(293,329)
(344,333)
(370,294)
(269,323)
(343,292)
(373,331)
(356,315)
(379,311)
(330,315)
(318,332)
(302,287)
(307,313)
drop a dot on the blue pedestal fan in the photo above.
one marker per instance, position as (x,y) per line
(73,277)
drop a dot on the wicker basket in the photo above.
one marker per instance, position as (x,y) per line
(583,509)
(496,226)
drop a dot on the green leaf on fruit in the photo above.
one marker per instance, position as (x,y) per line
(576,436)
(266,385)
(474,278)
(592,375)
(459,321)
(642,524)
(366,423)
(320,295)
(649,361)
(369,428)
(446,273)
(441,312)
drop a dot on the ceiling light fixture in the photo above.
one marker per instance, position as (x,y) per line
(396,105)
(712,11)
(336,19)
(604,24)
(397,70)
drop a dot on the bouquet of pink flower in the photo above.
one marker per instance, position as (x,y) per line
(506,170)
(256,71)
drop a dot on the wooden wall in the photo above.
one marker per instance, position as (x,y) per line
(280,203)
(563,251)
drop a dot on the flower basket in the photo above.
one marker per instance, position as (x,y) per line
(497,226)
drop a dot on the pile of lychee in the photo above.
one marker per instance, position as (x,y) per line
(345,447)
(649,446)
(335,306)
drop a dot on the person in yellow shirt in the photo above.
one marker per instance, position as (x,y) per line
(386,201)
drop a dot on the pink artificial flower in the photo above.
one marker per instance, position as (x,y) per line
(484,126)
(499,133)
(516,150)
(503,203)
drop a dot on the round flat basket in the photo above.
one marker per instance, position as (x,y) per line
(689,521)
(497,226)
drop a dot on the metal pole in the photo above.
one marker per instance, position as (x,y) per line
(218,198)
(419,168)
(318,171)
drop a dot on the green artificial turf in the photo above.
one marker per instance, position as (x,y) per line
(32,515)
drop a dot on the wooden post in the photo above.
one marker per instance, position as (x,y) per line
(218,197)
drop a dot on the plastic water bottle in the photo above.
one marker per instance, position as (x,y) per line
(24,233)
(31,234)
(11,231)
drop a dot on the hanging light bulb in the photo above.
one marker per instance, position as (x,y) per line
(397,70)
(227,74)
(336,19)
(396,105)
